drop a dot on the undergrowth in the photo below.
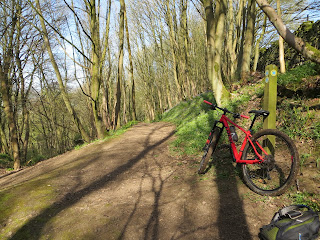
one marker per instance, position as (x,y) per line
(194,119)
(309,199)
(298,122)
(294,76)
(5,161)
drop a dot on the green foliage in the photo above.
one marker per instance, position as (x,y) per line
(194,119)
(298,122)
(121,130)
(316,130)
(5,161)
(129,125)
(186,111)
(193,134)
(294,76)
(310,199)
(304,157)
(35,159)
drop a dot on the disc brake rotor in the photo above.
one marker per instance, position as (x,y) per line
(268,163)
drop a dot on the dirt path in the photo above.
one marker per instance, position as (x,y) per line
(130,188)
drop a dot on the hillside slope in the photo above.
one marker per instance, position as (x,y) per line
(131,188)
(297,115)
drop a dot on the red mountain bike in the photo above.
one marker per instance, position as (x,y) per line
(269,158)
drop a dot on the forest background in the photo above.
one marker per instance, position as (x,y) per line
(72,71)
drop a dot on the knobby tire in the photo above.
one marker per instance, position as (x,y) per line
(208,153)
(274,176)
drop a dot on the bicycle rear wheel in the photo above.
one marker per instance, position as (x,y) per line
(209,151)
(280,167)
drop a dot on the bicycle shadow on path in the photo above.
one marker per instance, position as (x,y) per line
(33,228)
(232,223)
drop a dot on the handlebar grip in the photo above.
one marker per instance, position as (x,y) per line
(244,116)
(207,102)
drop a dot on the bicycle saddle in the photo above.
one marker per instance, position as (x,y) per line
(260,112)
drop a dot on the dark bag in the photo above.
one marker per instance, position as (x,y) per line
(296,222)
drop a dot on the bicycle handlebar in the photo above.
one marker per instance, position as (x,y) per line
(235,115)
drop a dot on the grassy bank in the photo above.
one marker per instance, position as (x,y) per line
(298,116)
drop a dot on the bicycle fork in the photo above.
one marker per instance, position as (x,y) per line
(213,136)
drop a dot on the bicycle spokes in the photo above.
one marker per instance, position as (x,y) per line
(275,169)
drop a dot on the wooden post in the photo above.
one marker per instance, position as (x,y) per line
(270,101)
(270,96)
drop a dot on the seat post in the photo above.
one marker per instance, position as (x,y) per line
(253,120)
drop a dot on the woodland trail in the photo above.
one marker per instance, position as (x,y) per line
(131,188)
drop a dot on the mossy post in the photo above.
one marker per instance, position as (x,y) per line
(270,99)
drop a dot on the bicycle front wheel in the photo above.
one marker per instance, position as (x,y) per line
(208,153)
(280,166)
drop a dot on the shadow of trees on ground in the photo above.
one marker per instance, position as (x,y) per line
(225,218)
(33,228)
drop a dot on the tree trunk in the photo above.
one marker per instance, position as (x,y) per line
(215,48)
(166,78)
(257,48)
(124,108)
(59,78)
(173,51)
(4,141)
(6,86)
(95,66)
(105,102)
(131,78)
(105,84)
(248,42)
(210,32)
(237,46)
(7,104)
(185,44)
(231,56)
(295,42)
(24,126)
(120,66)
(281,45)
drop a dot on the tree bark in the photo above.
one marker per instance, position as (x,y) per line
(215,48)
(210,32)
(105,83)
(185,46)
(131,78)
(5,65)
(7,104)
(281,45)
(231,56)
(257,48)
(95,66)
(295,42)
(120,66)
(237,47)
(248,42)
(172,49)
(59,77)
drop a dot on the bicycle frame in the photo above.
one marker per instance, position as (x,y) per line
(237,155)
